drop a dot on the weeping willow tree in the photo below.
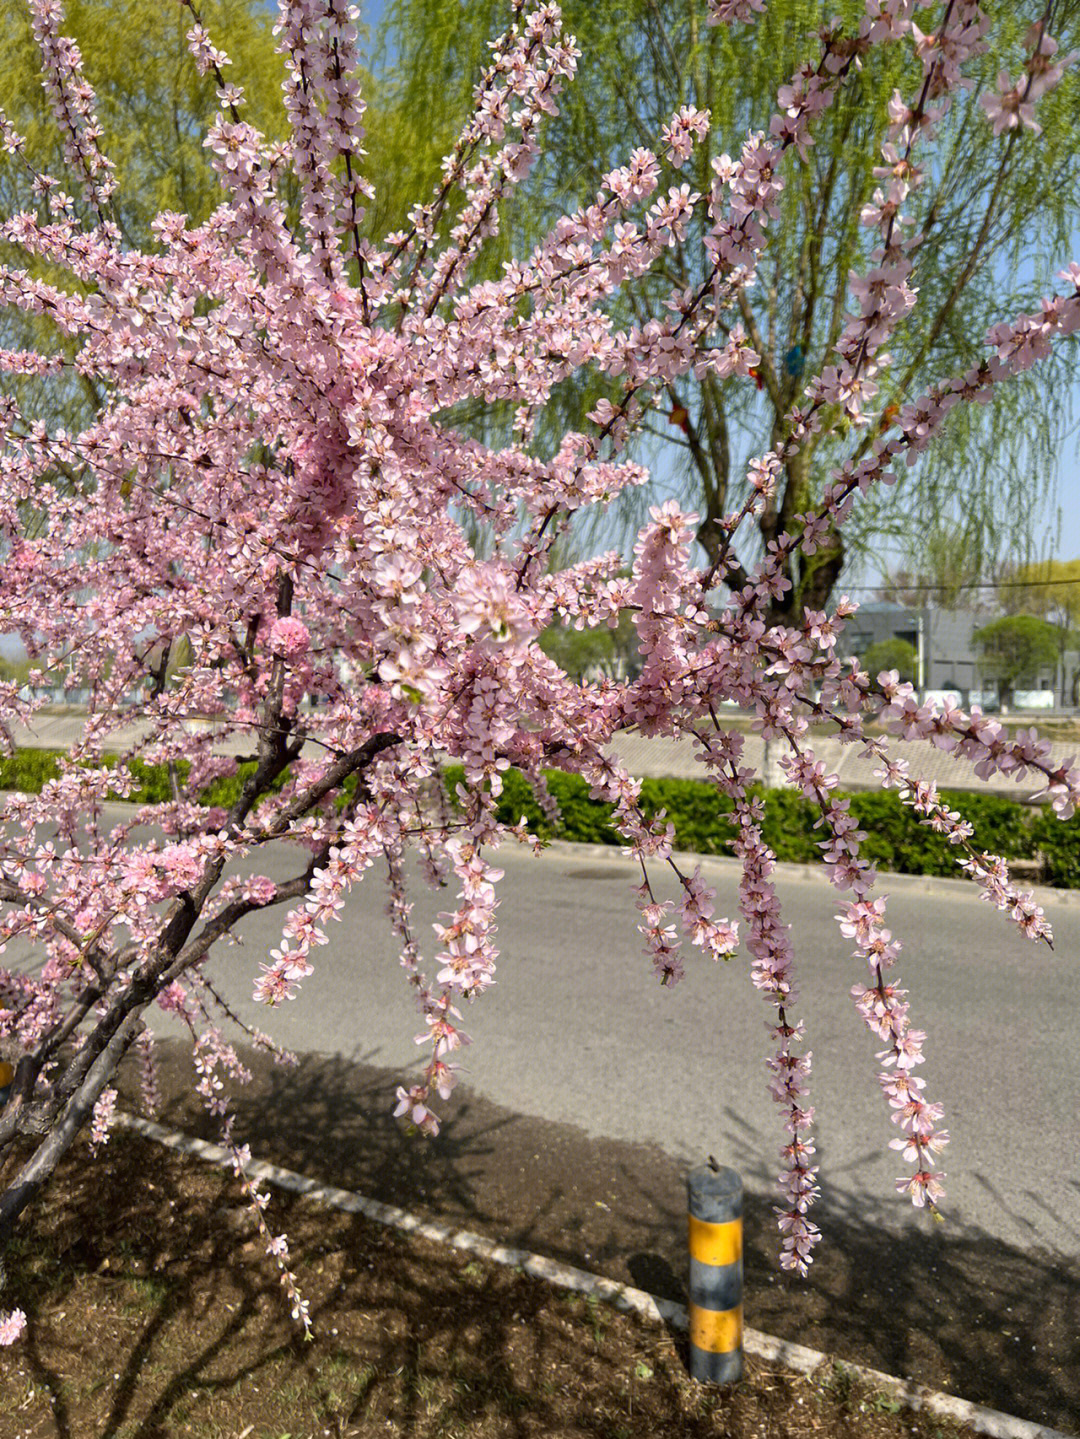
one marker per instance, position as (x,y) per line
(152,102)
(153,106)
(998,215)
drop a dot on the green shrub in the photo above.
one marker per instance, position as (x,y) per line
(585,820)
(789,826)
(1058,841)
(891,654)
(1002,825)
(895,840)
(697,810)
(588,820)
(29,770)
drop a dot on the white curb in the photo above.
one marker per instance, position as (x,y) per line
(887,880)
(622,1296)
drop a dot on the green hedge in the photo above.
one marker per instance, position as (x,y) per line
(1059,844)
(29,770)
(894,838)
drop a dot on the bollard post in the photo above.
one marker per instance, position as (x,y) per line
(715,1216)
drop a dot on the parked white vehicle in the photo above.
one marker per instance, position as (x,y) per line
(938,699)
(1033,700)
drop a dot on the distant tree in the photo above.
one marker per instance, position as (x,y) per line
(8,670)
(1014,649)
(949,567)
(1049,588)
(892,654)
(579,652)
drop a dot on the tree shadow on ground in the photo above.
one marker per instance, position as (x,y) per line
(949,1306)
(155,1313)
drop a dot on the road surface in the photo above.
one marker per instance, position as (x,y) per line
(578,1030)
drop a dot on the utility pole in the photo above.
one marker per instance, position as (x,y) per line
(920,650)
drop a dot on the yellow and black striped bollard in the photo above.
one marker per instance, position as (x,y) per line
(715,1205)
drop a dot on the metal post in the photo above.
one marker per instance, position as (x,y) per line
(920,652)
(716,1272)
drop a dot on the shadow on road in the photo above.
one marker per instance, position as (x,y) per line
(948,1306)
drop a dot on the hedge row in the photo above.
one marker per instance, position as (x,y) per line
(894,838)
(30,769)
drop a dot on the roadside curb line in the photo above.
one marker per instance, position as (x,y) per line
(887,880)
(665,1311)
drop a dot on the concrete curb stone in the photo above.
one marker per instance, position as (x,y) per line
(1045,895)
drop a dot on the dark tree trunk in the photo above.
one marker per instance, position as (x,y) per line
(817,575)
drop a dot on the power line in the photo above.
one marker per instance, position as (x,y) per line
(963,585)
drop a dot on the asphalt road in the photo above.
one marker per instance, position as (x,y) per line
(578,1030)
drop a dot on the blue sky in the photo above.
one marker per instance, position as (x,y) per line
(1063,521)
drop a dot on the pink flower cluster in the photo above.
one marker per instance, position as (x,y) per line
(104,1110)
(289,637)
(1013,105)
(72,100)
(276,1245)
(724,12)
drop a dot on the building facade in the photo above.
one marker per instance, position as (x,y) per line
(948,658)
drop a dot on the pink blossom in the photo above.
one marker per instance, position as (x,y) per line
(723,12)
(260,889)
(12,1324)
(103,1117)
(1008,108)
(289,637)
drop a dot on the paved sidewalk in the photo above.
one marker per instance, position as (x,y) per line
(60,729)
(653,758)
(675,759)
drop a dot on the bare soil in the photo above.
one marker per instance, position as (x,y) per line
(947,1305)
(154,1313)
